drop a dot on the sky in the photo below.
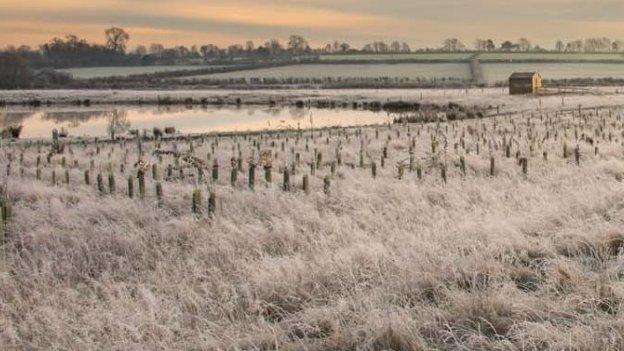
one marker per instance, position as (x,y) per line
(420,23)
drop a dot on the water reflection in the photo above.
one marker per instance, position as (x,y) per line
(96,121)
(74,118)
(14,118)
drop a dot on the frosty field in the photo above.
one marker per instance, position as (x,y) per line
(493,72)
(501,233)
(428,57)
(400,70)
(500,72)
(101,72)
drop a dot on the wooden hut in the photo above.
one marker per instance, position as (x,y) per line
(521,83)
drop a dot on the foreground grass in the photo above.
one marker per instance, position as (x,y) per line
(509,262)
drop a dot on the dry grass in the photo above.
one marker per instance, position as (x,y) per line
(510,262)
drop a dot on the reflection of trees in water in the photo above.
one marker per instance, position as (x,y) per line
(74,118)
(297,113)
(14,118)
(117,123)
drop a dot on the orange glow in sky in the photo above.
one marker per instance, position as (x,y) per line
(421,23)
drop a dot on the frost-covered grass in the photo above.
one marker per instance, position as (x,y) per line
(587,97)
(123,71)
(510,261)
(416,56)
(399,70)
(551,56)
(500,72)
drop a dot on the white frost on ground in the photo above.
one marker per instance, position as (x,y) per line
(601,96)
(509,262)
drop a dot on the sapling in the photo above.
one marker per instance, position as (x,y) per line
(130,187)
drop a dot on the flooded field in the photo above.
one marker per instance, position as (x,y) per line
(38,123)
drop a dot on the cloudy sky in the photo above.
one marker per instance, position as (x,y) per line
(421,23)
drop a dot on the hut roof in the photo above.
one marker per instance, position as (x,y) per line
(523,75)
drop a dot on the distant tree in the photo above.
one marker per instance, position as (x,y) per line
(559,46)
(489,45)
(249,46)
(617,45)
(156,49)
(524,44)
(480,44)
(297,44)
(273,46)
(117,123)
(405,47)
(395,46)
(194,52)
(574,46)
(380,47)
(140,50)
(453,45)
(117,39)
(208,51)
(234,50)
(335,46)
(344,47)
(597,44)
(14,73)
(507,46)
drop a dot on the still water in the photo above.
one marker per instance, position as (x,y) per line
(94,121)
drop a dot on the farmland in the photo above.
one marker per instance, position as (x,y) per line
(495,233)
(500,72)
(494,72)
(424,57)
(428,71)
(101,72)
(551,57)
(483,56)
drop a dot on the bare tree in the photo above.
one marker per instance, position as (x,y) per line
(117,123)
(395,46)
(117,39)
(140,50)
(524,44)
(453,45)
(156,49)
(574,46)
(559,46)
(249,46)
(297,44)
(480,44)
(273,46)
